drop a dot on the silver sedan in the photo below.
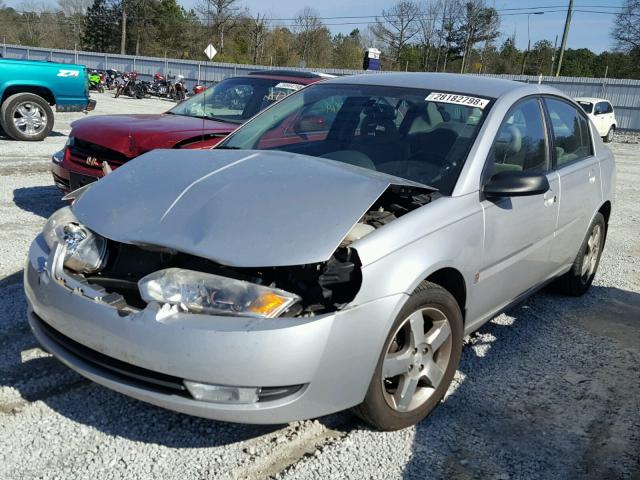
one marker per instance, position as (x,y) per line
(331,253)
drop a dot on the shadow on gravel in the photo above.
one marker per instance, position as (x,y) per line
(548,390)
(53,133)
(42,201)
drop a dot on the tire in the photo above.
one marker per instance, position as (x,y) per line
(33,110)
(435,307)
(609,137)
(577,281)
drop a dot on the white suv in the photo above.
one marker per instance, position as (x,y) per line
(601,112)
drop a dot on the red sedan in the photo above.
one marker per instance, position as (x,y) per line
(98,144)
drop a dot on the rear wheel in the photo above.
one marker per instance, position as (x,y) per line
(578,280)
(609,137)
(27,117)
(418,361)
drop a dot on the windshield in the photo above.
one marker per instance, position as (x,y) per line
(235,100)
(410,133)
(586,106)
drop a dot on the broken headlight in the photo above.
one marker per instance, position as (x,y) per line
(208,293)
(85,251)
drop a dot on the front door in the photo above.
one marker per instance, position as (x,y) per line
(519,231)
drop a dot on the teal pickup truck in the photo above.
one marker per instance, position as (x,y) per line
(28,90)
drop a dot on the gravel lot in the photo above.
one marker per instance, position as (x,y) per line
(549,390)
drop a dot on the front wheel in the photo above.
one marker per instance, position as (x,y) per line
(578,280)
(26,117)
(609,137)
(418,361)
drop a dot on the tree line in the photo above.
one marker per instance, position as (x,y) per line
(426,35)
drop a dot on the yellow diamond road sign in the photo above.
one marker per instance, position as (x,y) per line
(210,51)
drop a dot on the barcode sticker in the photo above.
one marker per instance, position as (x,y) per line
(457,99)
(289,86)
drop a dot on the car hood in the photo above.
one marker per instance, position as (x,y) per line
(242,208)
(133,135)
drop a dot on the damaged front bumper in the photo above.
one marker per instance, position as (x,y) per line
(318,365)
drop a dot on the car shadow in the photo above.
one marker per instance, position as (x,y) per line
(42,201)
(52,133)
(527,400)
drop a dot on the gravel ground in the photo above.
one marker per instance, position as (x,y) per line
(550,390)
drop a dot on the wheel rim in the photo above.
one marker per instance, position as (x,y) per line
(610,134)
(416,359)
(591,254)
(29,118)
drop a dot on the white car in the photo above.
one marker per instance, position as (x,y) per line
(601,113)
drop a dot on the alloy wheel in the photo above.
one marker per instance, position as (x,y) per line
(416,359)
(29,118)
(591,254)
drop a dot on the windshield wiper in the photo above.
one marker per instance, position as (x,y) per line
(225,147)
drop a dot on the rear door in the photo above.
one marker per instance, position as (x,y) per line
(519,231)
(579,172)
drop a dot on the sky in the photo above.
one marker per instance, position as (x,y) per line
(588,30)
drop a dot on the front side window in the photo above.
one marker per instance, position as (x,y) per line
(571,135)
(521,142)
(397,131)
(235,100)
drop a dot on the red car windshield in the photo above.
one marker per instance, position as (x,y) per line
(235,100)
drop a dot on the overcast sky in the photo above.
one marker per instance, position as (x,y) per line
(588,30)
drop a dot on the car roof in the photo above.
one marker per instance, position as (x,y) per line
(447,82)
(591,99)
(282,78)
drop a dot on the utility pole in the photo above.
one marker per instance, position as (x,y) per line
(553,56)
(123,39)
(565,34)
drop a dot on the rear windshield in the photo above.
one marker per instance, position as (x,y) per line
(236,100)
(416,134)
(586,106)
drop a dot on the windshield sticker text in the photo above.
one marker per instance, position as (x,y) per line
(457,99)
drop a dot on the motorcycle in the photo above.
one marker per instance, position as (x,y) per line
(130,86)
(96,81)
(177,90)
(160,86)
(111,77)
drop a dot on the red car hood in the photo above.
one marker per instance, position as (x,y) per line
(133,135)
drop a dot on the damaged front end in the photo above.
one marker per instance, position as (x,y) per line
(314,288)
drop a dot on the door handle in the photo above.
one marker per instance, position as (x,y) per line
(549,199)
(592,177)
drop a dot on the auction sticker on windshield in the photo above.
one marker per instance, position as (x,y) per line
(289,86)
(457,99)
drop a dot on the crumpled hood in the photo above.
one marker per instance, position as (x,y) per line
(132,135)
(242,208)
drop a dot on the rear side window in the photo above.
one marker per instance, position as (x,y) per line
(521,143)
(571,134)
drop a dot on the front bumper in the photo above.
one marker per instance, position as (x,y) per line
(332,356)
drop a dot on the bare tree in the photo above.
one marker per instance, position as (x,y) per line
(258,32)
(626,30)
(306,24)
(219,16)
(478,24)
(428,22)
(397,27)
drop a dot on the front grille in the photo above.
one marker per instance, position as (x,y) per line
(81,150)
(131,374)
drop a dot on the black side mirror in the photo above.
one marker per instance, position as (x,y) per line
(516,184)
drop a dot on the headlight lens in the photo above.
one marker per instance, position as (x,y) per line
(208,293)
(85,251)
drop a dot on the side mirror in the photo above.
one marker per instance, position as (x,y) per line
(310,123)
(516,184)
